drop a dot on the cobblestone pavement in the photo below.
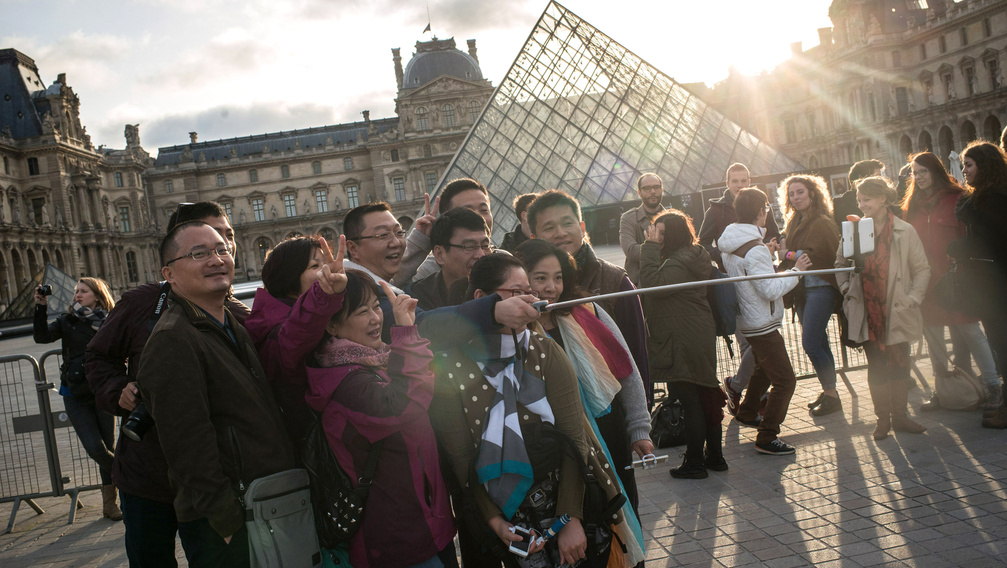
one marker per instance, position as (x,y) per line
(934,499)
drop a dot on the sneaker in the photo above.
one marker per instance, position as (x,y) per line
(733,397)
(754,423)
(690,469)
(775,448)
(994,397)
(816,402)
(828,405)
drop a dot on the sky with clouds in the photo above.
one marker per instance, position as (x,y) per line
(226,68)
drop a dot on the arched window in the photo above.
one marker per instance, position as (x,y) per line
(422,119)
(262,245)
(448,115)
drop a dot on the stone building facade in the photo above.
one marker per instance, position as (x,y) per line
(303,182)
(890,78)
(63,201)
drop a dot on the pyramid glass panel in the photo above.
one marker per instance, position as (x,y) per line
(577,111)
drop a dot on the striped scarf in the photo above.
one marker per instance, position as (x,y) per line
(502,464)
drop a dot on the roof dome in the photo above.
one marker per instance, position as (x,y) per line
(439,57)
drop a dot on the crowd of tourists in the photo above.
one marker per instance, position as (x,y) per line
(465,408)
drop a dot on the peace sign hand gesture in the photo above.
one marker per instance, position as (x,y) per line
(403,307)
(331,276)
(426,222)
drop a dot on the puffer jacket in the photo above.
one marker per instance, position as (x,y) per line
(760,302)
(908,276)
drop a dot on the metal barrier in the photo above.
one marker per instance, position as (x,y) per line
(27,425)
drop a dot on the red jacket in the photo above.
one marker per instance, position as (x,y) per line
(937,226)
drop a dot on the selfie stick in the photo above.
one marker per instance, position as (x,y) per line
(554,529)
(543,305)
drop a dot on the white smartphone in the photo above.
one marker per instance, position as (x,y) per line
(521,547)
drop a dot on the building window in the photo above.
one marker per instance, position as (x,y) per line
(316,168)
(427,151)
(942,44)
(790,131)
(37,208)
(321,200)
(347,163)
(987,28)
(896,59)
(970,80)
(965,36)
(994,68)
(169,186)
(124,218)
(923,51)
(290,205)
(902,100)
(6,165)
(422,120)
(253,176)
(448,115)
(33,169)
(399,185)
(474,108)
(284,172)
(352,199)
(227,211)
(949,88)
(430,180)
(258,210)
(221,180)
(395,155)
(117,178)
(263,245)
(131,268)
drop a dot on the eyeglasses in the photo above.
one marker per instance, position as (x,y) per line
(517,292)
(471,248)
(652,188)
(204,253)
(383,237)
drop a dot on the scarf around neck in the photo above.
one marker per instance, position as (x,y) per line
(94,317)
(502,464)
(597,357)
(875,280)
(335,351)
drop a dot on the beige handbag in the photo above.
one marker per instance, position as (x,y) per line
(961,390)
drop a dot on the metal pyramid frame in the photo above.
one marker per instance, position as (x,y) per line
(577,111)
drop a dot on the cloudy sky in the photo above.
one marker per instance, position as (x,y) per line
(229,68)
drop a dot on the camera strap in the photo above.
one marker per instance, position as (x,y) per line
(159,307)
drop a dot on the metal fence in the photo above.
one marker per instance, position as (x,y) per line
(42,456)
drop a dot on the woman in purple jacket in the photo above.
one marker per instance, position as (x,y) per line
(368,391)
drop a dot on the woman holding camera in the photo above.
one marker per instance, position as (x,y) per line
(92,301)
(882,303)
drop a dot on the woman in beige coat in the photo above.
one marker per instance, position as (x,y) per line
(882,303)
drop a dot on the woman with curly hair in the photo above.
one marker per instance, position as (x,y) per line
(811,230)
(929,206)
(983,210)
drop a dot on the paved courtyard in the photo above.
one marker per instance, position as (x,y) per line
(934,499)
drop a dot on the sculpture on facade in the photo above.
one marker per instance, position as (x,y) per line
(132,133)
(272,211)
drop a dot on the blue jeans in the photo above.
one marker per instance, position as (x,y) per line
(819,303)
(94,428)
(204,548)
(150,532)
(972,335)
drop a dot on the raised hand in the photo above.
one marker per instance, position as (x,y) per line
(804,262)
(403,307)
(426,222)
(652,234)
(331,276)
(516,312)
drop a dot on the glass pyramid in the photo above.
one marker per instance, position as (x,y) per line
(581,113)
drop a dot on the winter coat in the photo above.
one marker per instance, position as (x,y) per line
(721,214)
(112,362)
(682,333)
(218,422)
(285,332)
(407,518)
(632,225)
(818,238)
(908,275)
(760,302)
(937,228)
(513,239)
(74,333)
(986,238)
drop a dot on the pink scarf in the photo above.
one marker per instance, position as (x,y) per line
(335,351)
(611,350)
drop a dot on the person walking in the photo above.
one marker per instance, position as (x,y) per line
(92,301)
(882,304)
(810,230)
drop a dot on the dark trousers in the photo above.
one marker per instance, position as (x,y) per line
(204,548)
(613,430)
(94,428)
(150,532)
(772,369)
(702,423)
(891,364)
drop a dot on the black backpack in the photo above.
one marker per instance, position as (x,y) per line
(667,424)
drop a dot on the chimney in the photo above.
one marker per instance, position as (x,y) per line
(398,66)
(472,49)
(825,38)
(61,78)
(192,137)
(367,116)
(795,49)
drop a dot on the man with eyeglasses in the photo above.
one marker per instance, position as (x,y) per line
(634,222)
(374,245)
(219,424)
(112,361)
(459,238)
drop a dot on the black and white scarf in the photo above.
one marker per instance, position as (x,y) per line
(502,464)
(94,317)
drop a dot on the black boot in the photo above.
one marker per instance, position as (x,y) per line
(714,448)
(691,468)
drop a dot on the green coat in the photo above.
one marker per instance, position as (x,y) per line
(682,334)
